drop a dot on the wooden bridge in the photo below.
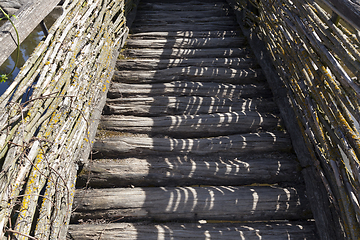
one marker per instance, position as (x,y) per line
(213,126)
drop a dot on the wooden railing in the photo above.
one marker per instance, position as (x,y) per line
(317,59)
(27,18)
(43,137)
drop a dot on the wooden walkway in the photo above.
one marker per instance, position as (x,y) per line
(190,144)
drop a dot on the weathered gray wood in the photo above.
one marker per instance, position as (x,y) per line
(191,203)
(325,215)
(27,18)
(187,53)
(189,170)
(181,14)
(187,34)
(349,10)
(150,231)
(153,64)
(159,106)
(186,43)
(205,74)
(181,27)
(188,6)
(233,144)
(205,125)
(216,21)
(183,88)
(168,19)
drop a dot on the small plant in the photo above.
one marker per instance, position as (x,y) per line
(4,77)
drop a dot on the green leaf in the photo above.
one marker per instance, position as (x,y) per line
(3,78)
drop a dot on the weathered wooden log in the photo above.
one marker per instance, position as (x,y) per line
(148,231)
(186,53)
(187,170)
(182,88)
(205,125)
(188,6)
(216,20)
(159,106)
(188,14)
(187,34)
(205,74)
(186,43)
(191,203)
(181,27)
(233,144)
(154,64)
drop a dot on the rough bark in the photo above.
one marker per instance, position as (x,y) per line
(192,203)
(150,231)
(186,170)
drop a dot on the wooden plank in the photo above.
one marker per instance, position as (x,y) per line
(186,53)
(205,74)
(181,14)
(186,34)
(181,27)
(167,18)
(233,144)
(183,88)
(187,170)
(216,21)
(159,106)
(154,231)
(189,6)
(27,18)
(153,64)
(186,43)
(348,10)
(205,125)
(191,203)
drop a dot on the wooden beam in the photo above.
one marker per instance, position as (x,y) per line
(185,170)
(182,88)
(234,144)
(348,10)
(27,18)
(252,203)
(155,231)
(204,125)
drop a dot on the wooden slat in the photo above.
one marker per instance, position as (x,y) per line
(208,74)
(183,88)
(186,53)
(151,231)
(186,34)
(159,106)
(235,144)
(205,125)
(154,64)
(186,170)
(186,43)
(27,18)
(191,203)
